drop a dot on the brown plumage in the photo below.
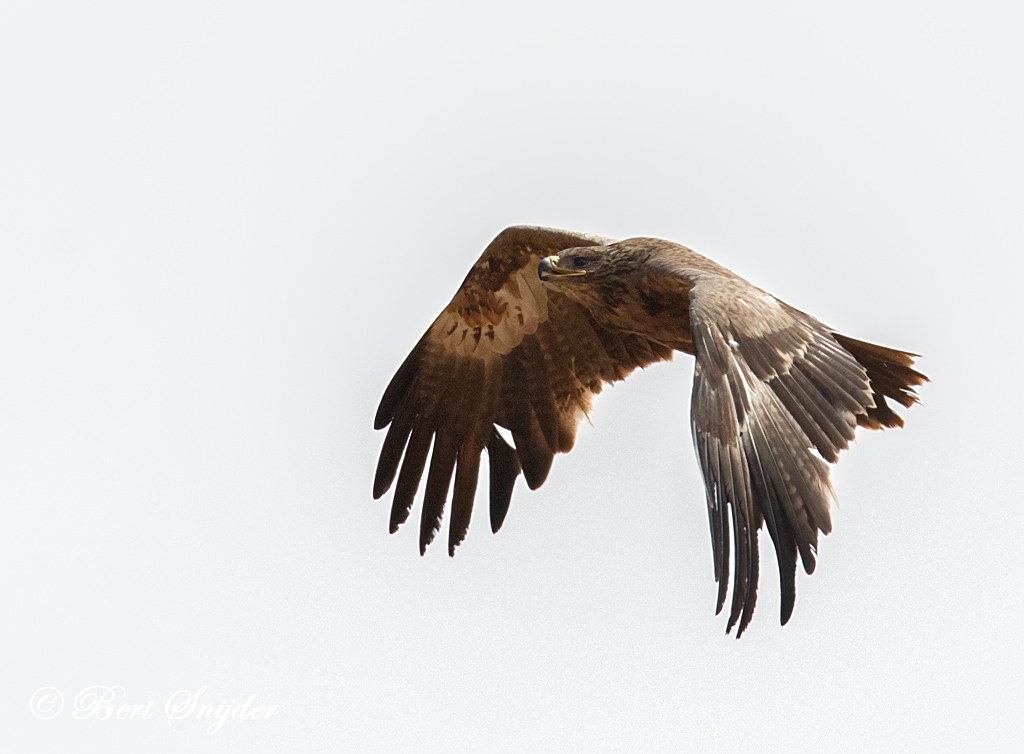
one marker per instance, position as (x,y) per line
(546,317)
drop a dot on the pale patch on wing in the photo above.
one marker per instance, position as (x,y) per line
(500,324)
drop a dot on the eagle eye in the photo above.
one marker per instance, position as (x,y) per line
(580,262)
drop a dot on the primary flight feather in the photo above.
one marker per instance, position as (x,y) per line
(545,317)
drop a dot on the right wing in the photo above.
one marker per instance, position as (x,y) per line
(508,350)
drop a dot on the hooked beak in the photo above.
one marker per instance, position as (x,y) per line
(548,268)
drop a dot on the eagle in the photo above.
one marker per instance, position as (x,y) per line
(546,317)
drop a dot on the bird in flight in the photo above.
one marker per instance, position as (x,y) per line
(546,317)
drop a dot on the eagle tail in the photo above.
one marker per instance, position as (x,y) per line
(891,376)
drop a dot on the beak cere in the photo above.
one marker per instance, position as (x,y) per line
(548,268)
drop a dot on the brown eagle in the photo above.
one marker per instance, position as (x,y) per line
(545,317)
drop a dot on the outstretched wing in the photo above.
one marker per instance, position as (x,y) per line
(509,350)
(775,396)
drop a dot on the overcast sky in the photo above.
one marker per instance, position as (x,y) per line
(224,225)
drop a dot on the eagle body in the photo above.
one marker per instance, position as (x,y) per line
(546,317)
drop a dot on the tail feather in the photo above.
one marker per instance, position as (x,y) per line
(891,376)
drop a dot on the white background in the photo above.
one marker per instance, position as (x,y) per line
(223,226)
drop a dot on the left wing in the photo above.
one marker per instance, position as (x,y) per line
(775,396)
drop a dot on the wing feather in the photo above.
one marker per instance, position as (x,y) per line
(399,387)
(391,453)
(409,476)
(535,375)
(466,473)
(813,419)
(442,464)
(504,468)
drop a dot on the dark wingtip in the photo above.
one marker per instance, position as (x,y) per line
(786,608)
(809,564)
(399,515)
(427,534)
(398,387)
(733,617)
(741,624)
(384,477)
(536,472)
(453,544)
(409,476)
(504,467)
